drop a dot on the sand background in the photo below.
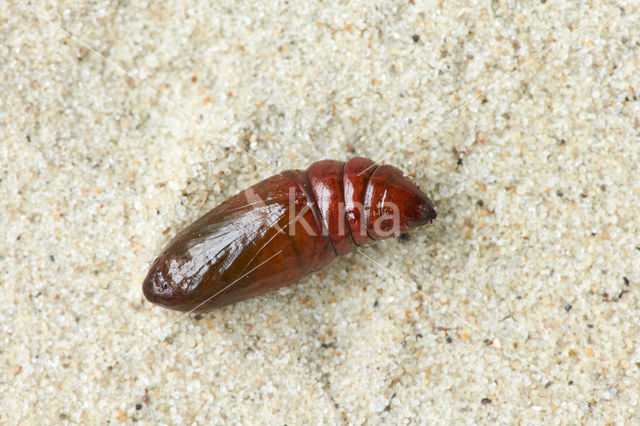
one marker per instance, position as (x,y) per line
(120,123)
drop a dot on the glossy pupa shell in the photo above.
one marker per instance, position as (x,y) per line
(281,229)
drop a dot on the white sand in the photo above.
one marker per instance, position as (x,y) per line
(120,133)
